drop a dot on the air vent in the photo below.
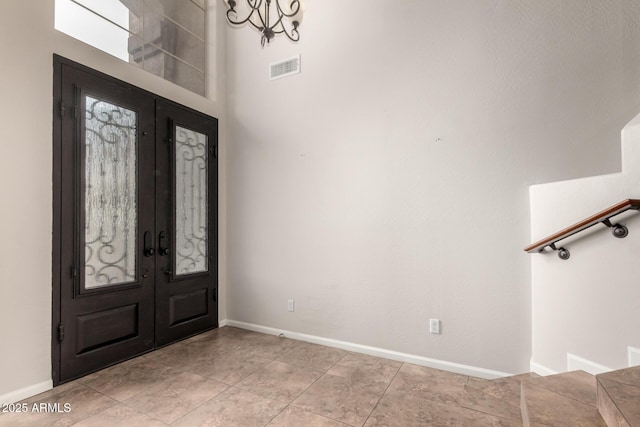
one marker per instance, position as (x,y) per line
(285,68)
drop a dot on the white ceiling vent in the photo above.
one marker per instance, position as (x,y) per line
(285,68)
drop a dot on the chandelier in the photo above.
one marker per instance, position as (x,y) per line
(270,17)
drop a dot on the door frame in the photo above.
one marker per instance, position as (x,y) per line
(58,271)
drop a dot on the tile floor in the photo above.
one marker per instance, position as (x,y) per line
(233,377)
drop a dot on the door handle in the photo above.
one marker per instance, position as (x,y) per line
(148,244)
(163,248)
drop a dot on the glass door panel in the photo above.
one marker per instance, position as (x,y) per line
(191,202)
(110,203)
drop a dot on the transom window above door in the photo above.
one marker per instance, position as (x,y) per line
(164,37)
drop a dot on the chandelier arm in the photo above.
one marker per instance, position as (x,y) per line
(280,22)
(254,5)
(275,24)
(294,36)
(282,13)
(268,29)
(247,19)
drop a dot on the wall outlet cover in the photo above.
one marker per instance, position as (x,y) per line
(434,326)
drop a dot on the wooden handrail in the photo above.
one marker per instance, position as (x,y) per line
(599,218)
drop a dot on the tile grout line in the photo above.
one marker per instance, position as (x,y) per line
(383,393)
(624,380)
(117,402)
(230,386)
(462,405)
(234,386)
(531,384)
(287,405)
(159,386)
(203,403)
(310,385)
(143,413)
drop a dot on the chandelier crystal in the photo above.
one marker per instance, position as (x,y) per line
(270,17)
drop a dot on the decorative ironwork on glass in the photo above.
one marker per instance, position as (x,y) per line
(110,194)
(191,231)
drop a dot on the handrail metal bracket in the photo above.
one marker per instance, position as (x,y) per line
(618,230)
(564,254)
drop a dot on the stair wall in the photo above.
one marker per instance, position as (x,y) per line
(589,305)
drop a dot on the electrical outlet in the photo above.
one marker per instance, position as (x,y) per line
(291,305)
(434,326)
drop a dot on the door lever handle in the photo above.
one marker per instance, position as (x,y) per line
(163,248)
(148,244)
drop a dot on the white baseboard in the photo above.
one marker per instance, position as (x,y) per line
(633,356)
(372,351)
(540,369)
(23,393)
(575,363)
(222,323)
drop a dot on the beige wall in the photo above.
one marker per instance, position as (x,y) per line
(26,85)
(387,183)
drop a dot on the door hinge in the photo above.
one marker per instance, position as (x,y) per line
(63,109)
(60,332)
(74,272)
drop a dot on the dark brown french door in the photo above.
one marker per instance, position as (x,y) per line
(186,223)
(135,221)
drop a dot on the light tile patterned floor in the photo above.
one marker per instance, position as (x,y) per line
(233,377)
